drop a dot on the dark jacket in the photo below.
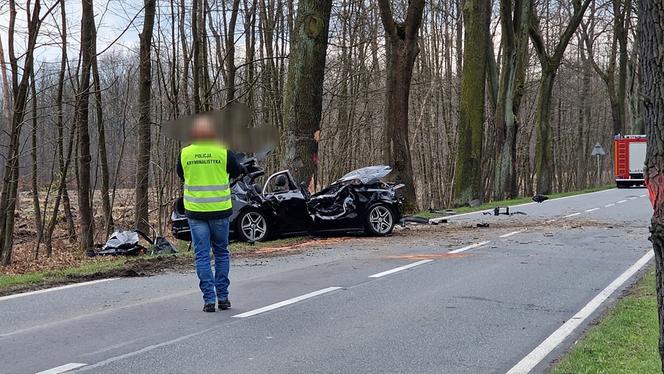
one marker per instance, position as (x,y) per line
(234,169)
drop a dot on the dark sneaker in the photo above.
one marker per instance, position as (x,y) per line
(224,304)
(209,308)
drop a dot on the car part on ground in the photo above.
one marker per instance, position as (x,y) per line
(360,201)
(127,243)
(417,220)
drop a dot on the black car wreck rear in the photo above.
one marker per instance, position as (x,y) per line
(360,201)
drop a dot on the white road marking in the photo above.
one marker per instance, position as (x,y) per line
(644,195)
(62,368)
(549,344)
(591,210)
(633,198)
(572,215)
(468,247)
(285,302)
(14,296)
(439,219)
(621,201)
(392,271)
(609,205)
(511,233)
(97,313)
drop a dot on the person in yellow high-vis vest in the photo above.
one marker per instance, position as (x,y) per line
(207,167)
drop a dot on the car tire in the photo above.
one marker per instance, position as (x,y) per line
(252,226)
(379,220)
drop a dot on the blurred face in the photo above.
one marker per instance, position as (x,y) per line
(203,129)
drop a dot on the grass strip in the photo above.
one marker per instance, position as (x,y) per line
(623,341)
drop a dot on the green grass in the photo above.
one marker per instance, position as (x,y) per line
(519,200)
(61,275)
(107,265)
(624,341)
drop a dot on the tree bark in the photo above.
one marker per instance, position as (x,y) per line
(101,146)
(81,119)
(467,175)
(16,116)
(304,88)
(651,45)
(515,46)
(141,212)
(401,40)
(549,64)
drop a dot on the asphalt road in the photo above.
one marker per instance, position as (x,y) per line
(451,298)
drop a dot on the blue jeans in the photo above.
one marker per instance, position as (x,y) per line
(206,234)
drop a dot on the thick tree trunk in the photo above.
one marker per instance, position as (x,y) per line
(141,212)
(515,44)
(544,142)
(467,176)
(401,43)
(304,88)
(401,56)
(651,44)
(81,118)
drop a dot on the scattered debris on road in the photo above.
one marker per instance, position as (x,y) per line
(539,198)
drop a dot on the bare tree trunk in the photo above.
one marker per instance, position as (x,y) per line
(196,52)
(515,47)
(468,176)
(141,216)
(401,40)
(304,88)
(35,172)
(101,145)
(549,64)
(62,168)
(651,45)
(17,114)
(81,119)
(230,53)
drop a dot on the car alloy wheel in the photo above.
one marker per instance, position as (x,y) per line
(381,220)
(253,226)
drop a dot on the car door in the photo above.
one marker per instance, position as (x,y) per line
(291,205)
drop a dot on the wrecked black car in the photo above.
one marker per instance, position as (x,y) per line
(360,201)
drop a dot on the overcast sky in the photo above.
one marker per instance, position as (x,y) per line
(111,18)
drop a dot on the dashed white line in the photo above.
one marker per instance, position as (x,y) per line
(572,215)
(549,344)
(400,268)
(63,368)
(609,205)
(591,210)
(644,195)
(633,198)
(621,201)
(511,233)
(439,219)
(285,302)
(14,296)
(468,247)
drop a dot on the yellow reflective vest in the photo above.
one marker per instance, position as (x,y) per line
(206,181)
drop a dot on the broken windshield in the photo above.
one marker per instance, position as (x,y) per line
(367,175)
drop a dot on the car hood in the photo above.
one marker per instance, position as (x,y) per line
(366,175)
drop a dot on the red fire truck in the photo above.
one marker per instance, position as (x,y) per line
(629,157)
